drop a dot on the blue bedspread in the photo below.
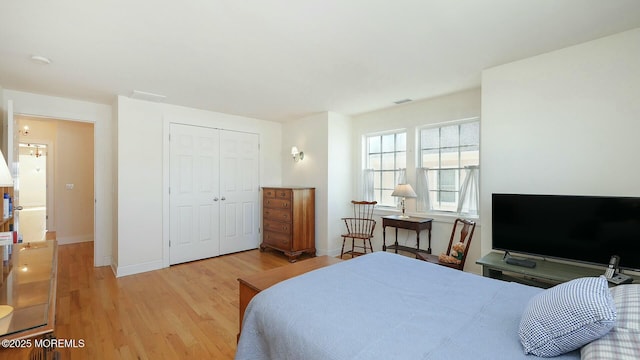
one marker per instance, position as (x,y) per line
(386,306)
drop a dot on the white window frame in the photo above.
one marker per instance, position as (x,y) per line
(379,190)
(452,208)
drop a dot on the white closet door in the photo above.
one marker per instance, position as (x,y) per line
(239,191)
(194,197)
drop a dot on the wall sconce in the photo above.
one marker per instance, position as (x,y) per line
(25,130)
(297,155)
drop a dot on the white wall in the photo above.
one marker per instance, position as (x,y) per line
(33,178)
(340,177)
(101,116)
(33,195)
(565,122)
(325,139)
(74,164)
(142,174)
(113,141)
(139,194)
(310,135)
(411,116)
(3,128)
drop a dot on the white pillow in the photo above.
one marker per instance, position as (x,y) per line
(567,316)
(616,345)
(623,342)
(627,301)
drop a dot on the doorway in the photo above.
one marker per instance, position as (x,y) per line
(68,206)
(33,185)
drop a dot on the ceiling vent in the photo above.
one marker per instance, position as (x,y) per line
(143,95)
(402,101)
(41,59)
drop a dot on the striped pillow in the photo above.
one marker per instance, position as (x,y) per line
(627,300)
(623,342)
(567,316)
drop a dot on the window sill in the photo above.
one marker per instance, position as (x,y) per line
(437,216)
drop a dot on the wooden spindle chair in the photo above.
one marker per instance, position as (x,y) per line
(359,227)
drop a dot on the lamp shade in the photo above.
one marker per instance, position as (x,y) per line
(5,174)
(404,190)
(294,150)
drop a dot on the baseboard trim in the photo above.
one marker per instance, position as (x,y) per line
(333,253)
(138,268)
(74,239)
(106,261)
(114,269)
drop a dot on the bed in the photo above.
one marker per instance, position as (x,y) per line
(387,306)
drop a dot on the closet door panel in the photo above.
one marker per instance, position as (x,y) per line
(239,165)
(194,183)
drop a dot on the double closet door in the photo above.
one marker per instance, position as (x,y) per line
(214,192)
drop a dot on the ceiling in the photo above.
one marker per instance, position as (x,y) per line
(284,59)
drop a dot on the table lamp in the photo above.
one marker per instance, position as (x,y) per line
(404,191)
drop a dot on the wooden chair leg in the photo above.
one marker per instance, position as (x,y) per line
(342,252)
(353,246)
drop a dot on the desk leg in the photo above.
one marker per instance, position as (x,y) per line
(396,242)
(384,238)
(417,242)
(429,235)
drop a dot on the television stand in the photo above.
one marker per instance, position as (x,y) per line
(546,273)
(518,261)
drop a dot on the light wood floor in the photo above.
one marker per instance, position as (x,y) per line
(188,311)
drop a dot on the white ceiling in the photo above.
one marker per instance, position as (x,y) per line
(284,59)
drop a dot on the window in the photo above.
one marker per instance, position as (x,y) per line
(449,153)
(387,158)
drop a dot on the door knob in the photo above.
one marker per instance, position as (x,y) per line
(223,198)
(215,199)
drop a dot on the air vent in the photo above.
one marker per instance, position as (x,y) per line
(402,101)
(143,95)
(41,59)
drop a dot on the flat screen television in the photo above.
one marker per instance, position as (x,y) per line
(587,229)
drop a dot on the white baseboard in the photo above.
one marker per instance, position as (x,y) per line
(106,261)
(138,268)
(333,253)
(74,239)
(114,268)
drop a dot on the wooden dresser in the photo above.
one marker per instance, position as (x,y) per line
(288,220)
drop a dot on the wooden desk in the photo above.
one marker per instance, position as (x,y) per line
(410,223)
(251,285)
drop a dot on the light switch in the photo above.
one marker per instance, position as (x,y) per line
(70,186)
